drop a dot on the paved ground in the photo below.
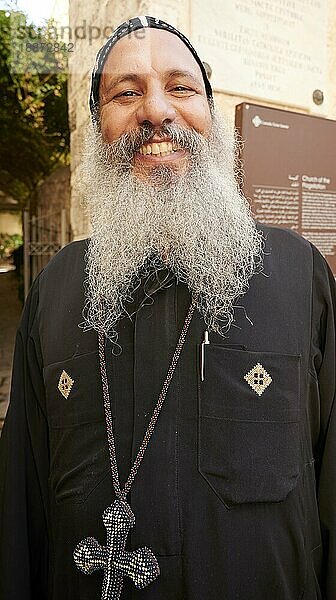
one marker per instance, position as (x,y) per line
(10,311)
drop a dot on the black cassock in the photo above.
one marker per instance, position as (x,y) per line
(236,495)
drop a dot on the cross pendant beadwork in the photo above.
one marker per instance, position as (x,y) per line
(140,565)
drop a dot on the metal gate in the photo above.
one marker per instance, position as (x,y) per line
(44,235)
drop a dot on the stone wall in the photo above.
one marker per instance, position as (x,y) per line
(112,12)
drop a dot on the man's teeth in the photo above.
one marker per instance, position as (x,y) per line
(158,149)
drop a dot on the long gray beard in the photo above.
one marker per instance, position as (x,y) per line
(196,224)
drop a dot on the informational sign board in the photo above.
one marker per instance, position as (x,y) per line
(264,49)
(290,172)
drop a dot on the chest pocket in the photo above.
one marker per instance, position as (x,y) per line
(249,424)
(77,432)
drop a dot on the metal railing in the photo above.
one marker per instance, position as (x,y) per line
(44,235)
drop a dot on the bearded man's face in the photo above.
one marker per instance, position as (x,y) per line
(147,83)
(160,187)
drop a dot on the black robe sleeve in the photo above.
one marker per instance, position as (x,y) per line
(24,471)
(323,372)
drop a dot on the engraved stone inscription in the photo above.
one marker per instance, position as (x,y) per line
(241,40)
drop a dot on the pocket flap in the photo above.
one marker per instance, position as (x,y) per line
(228,391)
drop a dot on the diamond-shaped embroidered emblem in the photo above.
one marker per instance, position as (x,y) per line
(258,379)
(65,384)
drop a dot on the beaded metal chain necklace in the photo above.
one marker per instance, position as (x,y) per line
(140,565)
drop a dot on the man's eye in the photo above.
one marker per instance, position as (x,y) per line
(181,88)
(127,94)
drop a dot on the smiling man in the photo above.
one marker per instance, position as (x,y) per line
(154,80)
(171,431)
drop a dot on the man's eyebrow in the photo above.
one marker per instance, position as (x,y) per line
(185,74)
(136,78)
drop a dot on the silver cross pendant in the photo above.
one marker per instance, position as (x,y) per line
(140,565)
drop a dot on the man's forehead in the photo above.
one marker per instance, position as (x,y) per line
(175,45)
(146,49)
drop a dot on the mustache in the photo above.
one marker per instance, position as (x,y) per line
(124,148)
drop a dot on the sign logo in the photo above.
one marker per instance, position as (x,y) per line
(257,121)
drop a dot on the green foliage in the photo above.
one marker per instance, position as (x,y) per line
(8,243)
(33,107)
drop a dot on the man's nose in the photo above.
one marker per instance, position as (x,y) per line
(156,109)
